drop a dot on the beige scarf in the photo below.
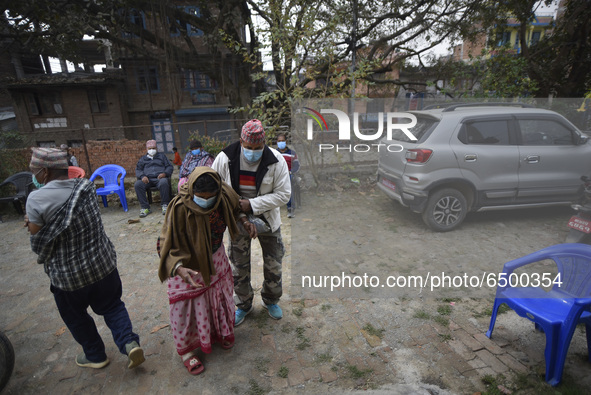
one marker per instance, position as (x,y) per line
(186,233)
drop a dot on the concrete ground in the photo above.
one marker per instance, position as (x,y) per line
(324,344)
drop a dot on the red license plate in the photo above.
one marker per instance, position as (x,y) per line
(580,224)
(389,184)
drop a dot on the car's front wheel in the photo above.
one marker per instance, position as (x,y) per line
(446,209)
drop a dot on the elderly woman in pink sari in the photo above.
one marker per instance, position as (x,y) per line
(195,265)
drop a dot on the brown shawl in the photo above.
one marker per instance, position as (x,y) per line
(186,233)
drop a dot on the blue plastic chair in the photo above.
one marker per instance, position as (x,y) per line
(113,183)
(558,311)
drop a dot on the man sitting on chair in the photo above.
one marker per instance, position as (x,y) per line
(153,170)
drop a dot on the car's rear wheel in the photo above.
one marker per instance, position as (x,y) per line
(446,209)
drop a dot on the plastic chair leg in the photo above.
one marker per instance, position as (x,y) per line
(18,206)
(588,332)
(104,200)
(123,200)
(493,318)
(551,354)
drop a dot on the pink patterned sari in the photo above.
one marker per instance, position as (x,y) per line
(202,316)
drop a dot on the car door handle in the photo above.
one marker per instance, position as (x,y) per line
(532,159)
(470,158)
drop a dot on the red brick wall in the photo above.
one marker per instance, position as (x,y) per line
(124,153)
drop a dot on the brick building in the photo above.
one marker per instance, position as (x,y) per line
(135,97)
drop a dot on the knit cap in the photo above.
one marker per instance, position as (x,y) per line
(253,132)
(51,158)
(151,144)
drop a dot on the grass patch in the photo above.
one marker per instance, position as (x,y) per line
(286,329)
(260,364)
(535,384)
(357,373)
(487,312)
(323,358)
(298,311)
(531,384)
(304,341)
(444,337)
(255,389)
(325,307)
(261,320)
(441,320)
(369,328)
(444,309)
(283,372)
(422,314)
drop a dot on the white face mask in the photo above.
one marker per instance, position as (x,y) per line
(152,152)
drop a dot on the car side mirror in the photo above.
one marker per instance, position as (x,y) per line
(583,139)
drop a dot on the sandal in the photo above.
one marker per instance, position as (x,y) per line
(194,365)
(226,344)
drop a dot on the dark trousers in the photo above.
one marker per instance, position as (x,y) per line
(104,297)
(163,187)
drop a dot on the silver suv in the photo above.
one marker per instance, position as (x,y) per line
(477,158)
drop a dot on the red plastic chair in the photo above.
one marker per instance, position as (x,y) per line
(76,172)
(558,311)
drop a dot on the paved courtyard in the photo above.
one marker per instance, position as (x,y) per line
(352,340)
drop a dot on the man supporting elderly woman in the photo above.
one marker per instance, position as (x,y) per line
(199,276)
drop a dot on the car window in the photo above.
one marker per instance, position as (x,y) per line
(485,132)
(544,132)
(423,126)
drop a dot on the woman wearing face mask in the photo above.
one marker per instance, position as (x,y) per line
(196,267)
(196,157)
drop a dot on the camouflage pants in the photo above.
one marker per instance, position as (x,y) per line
(273,251)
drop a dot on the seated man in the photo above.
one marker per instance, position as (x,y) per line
(153,170)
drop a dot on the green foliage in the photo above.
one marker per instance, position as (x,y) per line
(12,161)
(210,144)
(506,75)
(13,139)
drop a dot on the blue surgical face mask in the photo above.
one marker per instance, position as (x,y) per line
(37,184)
(204,203)
(196,151)
(281,144)
(252,155)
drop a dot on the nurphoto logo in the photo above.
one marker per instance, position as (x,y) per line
(344,132)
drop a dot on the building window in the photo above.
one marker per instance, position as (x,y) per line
(202,97)
(46,103)
(74,143)
(137,18)
(535,37)
(46,144)
(191,30)
(503,38)
(173,27)
(196,80)
(147,79)
(98,100)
